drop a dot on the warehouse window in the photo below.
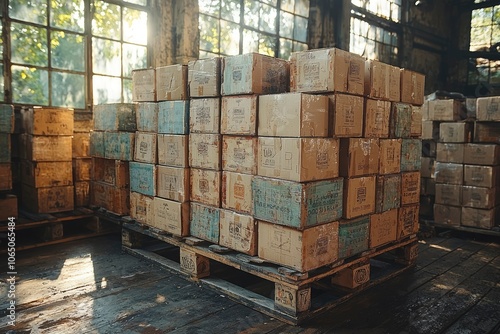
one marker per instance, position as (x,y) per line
(272,27)
(2,81)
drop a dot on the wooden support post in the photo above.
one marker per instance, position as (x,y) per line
(131,239)
(53,232)
(408,254)
(352,277)
(292,300)
(196,265)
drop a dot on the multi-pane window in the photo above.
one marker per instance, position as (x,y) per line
(2,81)
(272,27)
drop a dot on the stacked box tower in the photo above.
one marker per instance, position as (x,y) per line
(82,162)
(8,201)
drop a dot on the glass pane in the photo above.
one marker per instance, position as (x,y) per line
(209,7)
(496,15)
(68,90)
(209,33)
(396,12)
(271,2)
(252,10)
(205,54)
(106,20)
(250,41)
(481,17)
(134,57)
(1,41)
(30,85)
(302,7)
(229,38)
(286,25)
(230,10)
(300,29)
(2,87)
(267,45)
(127,90)
(67,51)
(286,48)
(267,20)
(299,46)
(106,56)
(138,2)
(106,89)
(29,10)
(67,14)
(288,5)
(135,26)
(480,38)
(29,44)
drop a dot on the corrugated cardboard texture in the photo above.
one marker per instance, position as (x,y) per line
(412,87)
(171,217)
(206,187)
(143,85)
(359,196)
(383,228)
(173,117)
(359,156)
(47,121)
(205,151)
(204,115)
(377,116)
(455,132)
(204,222)
(204,77)
(410,187)
(239,115)
(408,221)
(445,110)
(346,115)
(145,147)
(111,172)
(142,208)
(448,194)
(390,156)
(173,150)
(115,117)
(172,183)
(171,83)
(353,236)
(239,154)
(238,232)
(237,192)
(449,173)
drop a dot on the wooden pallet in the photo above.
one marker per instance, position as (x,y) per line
(280,292)
(495,231)
(107,215)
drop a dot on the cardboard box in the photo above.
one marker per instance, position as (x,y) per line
(449,173)
(7,119)
(377,80)
(346,115)
(81,145)
(173,150)
(359,156)
(47,121)
(416,121)
(482,154)
(83,123)
(394,89)
(204,115)
(173,117)
(427,167)
(239,154)
(305,250)
(46,148)
(359,196)
(238,232)
(455,132)
(481,176)
(298,159)
(400,124)
(142,208)
(8,207)
(298,205)
(6,145)
(5,176)
(112,172)
(142,178)
(204,222)
(254,73)
(293,115)
(206,187)
(239,115)
(383,228)
(173,183)
(171,82)
(82,193)
(448,194)
(480,198)
(487,132)
(488,108)
(446,110)
(237,192)
(204,77)
(205,151)
(450,152)
(171,217)
(82,169)
(143,85)
(388,192)
(353,236)
(48,200)
(115,117)
(410,187)
(390,156)
(377,118)
(430,130)
(448,215)
(109,197)
(119,145)
(97,144)
(327,70)
(352,277)
(411,150)
(145,147)
(408,221)
(470,106)
(429,148)
(412,87)
(480,218)
(147,116)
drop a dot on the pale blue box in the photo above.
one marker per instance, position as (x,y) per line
(147,116)
(6,118)
(97,144)
(353,236)
(119,145)
(173,117)
(204,222)
(411,152)
(115,117)
(142,178)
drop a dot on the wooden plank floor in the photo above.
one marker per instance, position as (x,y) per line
(90,286)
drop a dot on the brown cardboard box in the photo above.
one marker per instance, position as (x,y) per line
(416,121)
(293,115)
(400,123)
(430,130)
(480,218)
(205,151)
(146,118)
(47,121)
(377,79)
(305,250)
(143,85)
(239,115)
(171,216)
(425,111)
(410,188)
(346,115)
(238,232)
(204,77)
(204,115)
(388,192)
(383,227)
(481,176)
(82,193)
(448,215)
(206,187)
(408,221)
(142,208)
(487,132)
(449,173)
(171,82)
(81,144)
(412,87)
(377,115)
(360,156)
(428,167)
(8,207)
(173,150)
(480,198)
(5,176)
(445,110)
(82,169)
(488,108)
(298,159)
(359,196)
(112,172)
(173,183)
(48,200)
(448,194)
(482,154)
(394,88)
(455,132)
(239,154)
(237,192)
(450,152)
(352,277)
(145,147)
(390,156)
(109,197)
(46,148)
(47,174)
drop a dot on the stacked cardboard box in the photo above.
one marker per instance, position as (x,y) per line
(82,162)
(46,165)
(8,201)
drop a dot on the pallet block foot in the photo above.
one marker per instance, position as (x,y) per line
(197,266)
(292,300)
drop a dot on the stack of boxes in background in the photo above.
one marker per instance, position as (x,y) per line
(82,163)
(8,201)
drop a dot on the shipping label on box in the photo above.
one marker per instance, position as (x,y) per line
(142,208)
(239,154)
(455,132)
(408,220)
(7,118)
(353,236)
(82,169)
(237,192)
(47,121)
(82,193)
(390,156)
(47,174)
(427,168)
(115,117)
(487,132)
(479,197)
(359,196)
(430,130)
(206,187)
(298,159)
(481,176)
(97,144)
(360,156)
(293,115)
(204,77)
(173,150)
(81,145)
(411,151)
(204,222)
(5,176)
(49,199)
(383,228)
(143,178)
(116,200)
(388,192)
(119,145)
(171,217)
(171,83)
(447,214)
(204,115)
(299,205)
(412,87)
(145,147)
(488,108)
(173,117)
(205,151)
(5,143)
(448,194)
(238,232)
(410,187)
(239,115)
(446,110)
(449,173)
(46,148)
(450,152)
(346,115)
(304,250)
(377,117)
(143,85)
(482,154)
(147,116)
(173,183)
(400,124)
(112,172)
(254,73)
(480,218)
